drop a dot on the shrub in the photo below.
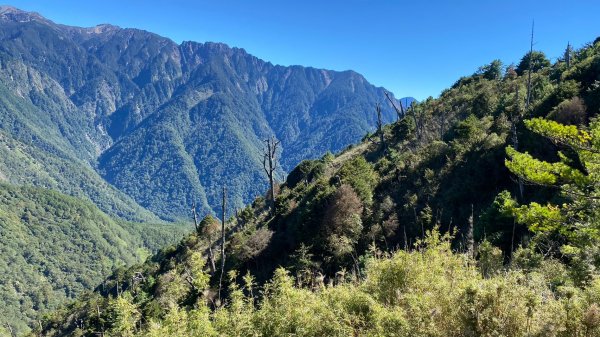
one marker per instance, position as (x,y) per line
(570,112)
(361,176)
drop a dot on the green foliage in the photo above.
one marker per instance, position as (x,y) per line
(123,316)
(209,227)
(527,259)
(536,60)
(359,174)
(568,135)
(492,71)
(430,291)
(62,246)
(306,171)
(541,172)
(24,163)
(577,183)
(490,259)
(484,104)
(342,221)
(540,218)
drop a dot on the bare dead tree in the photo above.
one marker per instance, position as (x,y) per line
(380,128)
(442,123)
(270,165)
(417,120)
(41,327)
(515,117)
(470,239)
(223,212)
(512,239)
(211,256)
(195,217)
(10,329)
(529,66)
(399,112)
(405,237)
(568,55)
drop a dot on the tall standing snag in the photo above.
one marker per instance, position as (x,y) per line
(380,127)
(399,112)
(417,121)
(515,117)
(195,216)
(529,70)
(270,165)
(469,236)
(204,230)
(567,56)
(223,212)
(209,227)
(442,114)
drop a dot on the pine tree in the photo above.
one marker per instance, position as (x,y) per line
(578,183)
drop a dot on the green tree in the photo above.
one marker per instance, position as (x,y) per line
(538,61)
(124,316)
(577,176)
(492,71)
(343,224)
(361,176)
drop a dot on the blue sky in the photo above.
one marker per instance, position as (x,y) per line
(415,48)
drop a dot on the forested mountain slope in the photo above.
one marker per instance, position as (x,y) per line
(55,246)
(166,124)
(474,215)
(142,128)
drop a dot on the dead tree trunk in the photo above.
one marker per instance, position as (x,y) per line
(211,256)
(10,329)
(529,66)
(470,239)
(399,112)
(516,116)
(270,165)
(568,55)
(195,216)
(413,111)
(442,124)
(405,237)
(223,212)
(512,239)
(380,128)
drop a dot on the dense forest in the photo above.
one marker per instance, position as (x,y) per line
(474,214)
(54,247)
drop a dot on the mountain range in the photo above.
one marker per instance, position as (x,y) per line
(145,127)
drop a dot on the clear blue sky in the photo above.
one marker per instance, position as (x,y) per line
(414,48)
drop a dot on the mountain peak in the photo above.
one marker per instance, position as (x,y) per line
(9,13)
(101,28)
